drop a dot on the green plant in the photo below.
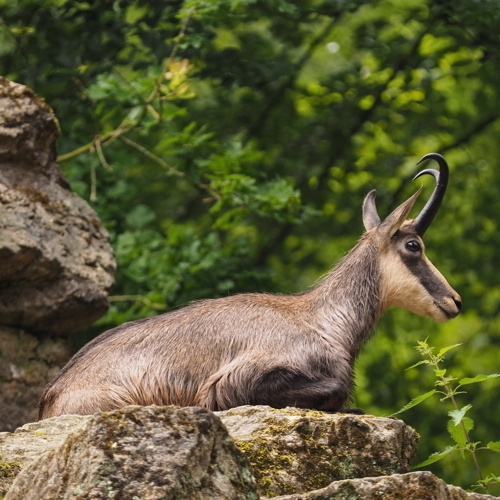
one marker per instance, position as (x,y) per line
(227,147)
(459,424)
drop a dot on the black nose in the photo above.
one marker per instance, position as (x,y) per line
(458,302)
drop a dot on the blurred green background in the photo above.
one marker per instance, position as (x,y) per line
(227,146)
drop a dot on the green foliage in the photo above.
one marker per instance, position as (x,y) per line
(227,146)
(459,425)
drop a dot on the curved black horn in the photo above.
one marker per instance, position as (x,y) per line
(426,216)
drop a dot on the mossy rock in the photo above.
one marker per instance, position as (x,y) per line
(8,471)
(149,452)
(294,450)
(412,486)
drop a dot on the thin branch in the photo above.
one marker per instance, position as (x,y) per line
(75,152)
(103,139)
(151,156)
(100,154)
(459,142)
(152,96)
(93,182)
(278,94)
(367,114)
(467,136)
(125,125)
(135,298)
(146,105)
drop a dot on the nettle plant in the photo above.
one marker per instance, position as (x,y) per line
(460,424)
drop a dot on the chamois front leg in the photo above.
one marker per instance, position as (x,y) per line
(242,382)
(283,387)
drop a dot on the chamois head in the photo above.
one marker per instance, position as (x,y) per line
(409,279)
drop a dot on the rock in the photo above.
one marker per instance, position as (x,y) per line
(56,264)
(295,450)
(290,450)
(29,442)
(120,453)
(140,452)
(27,364)
(415,485)
(28,129)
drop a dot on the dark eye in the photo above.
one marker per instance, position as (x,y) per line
(413,246)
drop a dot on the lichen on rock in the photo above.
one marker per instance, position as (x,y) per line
(187,454)
(29,442)
(296,450)
(421,485)
(141,452)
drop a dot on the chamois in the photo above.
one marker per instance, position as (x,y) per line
(278,350)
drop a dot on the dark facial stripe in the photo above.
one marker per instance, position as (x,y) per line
(421,270)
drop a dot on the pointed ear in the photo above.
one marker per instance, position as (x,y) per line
(394,220)
(370,215)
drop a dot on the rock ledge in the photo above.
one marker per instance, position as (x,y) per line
(191,453)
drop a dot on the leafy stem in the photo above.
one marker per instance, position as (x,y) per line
(459,425)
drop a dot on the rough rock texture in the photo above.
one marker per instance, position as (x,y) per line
(141,452)
(294,450)
(27,364)
(290,450)
(122,452)
(56,264)
(29,442)
(413,486)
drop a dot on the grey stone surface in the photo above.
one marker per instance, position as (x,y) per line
(139,452)
(29,442)
(295,450)
(412,486)
(185,453)
(27,364)
(56,264)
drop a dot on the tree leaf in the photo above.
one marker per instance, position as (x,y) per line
(422,362)
(468,423)
(444,350)
(415,401)
(494,446)
(457,432)
(458,415)
(435,457)
(478,378)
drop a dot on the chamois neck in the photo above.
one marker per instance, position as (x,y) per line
(347,302)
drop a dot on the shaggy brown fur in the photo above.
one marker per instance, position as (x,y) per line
(279,350)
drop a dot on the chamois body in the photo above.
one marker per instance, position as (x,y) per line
(279,350)
(241,348)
